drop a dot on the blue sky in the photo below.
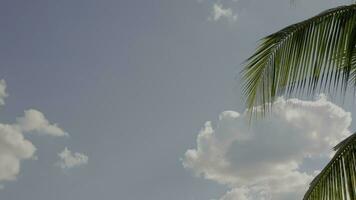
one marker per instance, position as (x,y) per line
(112,95)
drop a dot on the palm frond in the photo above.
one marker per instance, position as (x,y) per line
(314,55)
(338,179)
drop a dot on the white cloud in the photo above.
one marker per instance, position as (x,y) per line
(236,194)
(264,161)
(3,93)
(70,160)
(35,121)
(14,147)
(219,12)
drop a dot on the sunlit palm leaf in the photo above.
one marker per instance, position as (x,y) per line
(314,55)
(337,181)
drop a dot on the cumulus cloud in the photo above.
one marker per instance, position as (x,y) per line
(14,147)
(35,121)
(70,160)
(265,161)
(219,12)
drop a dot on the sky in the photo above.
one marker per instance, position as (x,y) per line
(132,100)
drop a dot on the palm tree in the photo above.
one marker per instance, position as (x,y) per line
(318,54)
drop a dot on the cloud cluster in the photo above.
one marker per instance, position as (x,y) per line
(70,160)
(266,160)
(14,147)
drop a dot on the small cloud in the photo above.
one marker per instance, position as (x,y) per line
(220,12)
(69,160)
(3,93)
(35,121)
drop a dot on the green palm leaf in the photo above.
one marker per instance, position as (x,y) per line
(314,55)
(338,179)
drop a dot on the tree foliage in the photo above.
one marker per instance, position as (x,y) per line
(315,55)
(338,179)
(318,54)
